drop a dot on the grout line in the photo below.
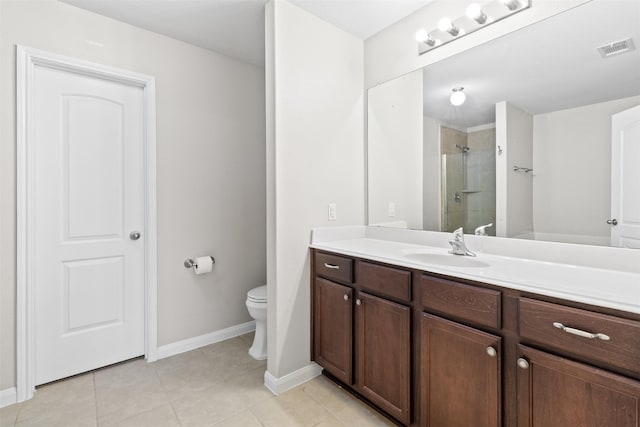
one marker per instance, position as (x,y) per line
(95,396)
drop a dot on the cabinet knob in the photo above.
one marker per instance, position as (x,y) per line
(492,351)
(522,363)
(358,301)
(346,297)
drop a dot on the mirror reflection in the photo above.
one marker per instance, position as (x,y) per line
(536,133)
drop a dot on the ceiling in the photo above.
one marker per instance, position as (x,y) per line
(236,27)
(550,66)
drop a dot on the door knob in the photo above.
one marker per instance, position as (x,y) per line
(612,221)
(492,352)
(134,235)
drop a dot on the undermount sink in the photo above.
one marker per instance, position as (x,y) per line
(448,260)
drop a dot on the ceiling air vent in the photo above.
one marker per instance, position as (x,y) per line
(616,48)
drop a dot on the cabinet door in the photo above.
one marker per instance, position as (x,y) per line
(333,333)
(383,354)
(460,375)
(557,392)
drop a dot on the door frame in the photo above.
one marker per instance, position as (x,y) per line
(26,60)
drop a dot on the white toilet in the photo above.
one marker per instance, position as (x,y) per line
(257,306)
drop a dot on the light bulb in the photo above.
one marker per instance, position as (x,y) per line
(445,24)
(511,4)
(458,97)
(474,11)
(422,35)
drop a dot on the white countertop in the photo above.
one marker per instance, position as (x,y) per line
(591,285)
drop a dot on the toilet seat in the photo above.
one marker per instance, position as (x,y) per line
(258,294)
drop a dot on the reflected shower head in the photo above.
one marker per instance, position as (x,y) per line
(463,148)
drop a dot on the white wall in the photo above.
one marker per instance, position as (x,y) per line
(572,165)
(210,164)
(316,156)
(431,184)
(395,151)
(514,190)
(394,51)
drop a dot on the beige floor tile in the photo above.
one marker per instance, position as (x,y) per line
(162,416)
(178,384)
(345,407)
(83,415)
(243,419)
(294,408)
(248,338)
(8,415)
(207,408)
(124,375)
(76,392)
(191,361)
(233,355)
(119,403)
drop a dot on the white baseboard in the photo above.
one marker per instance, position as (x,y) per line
(289,381)
(8,397)
(206,339)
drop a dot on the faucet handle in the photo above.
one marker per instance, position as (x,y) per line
(481,231)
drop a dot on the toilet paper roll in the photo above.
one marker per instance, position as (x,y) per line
(203,264)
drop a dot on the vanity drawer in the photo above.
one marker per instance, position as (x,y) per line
(385,281)
(465,302)
(542,323)
(334,267)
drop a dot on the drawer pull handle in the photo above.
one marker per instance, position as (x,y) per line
(346,297)
(492,351)
(358,301)
(580,332)
(332,266)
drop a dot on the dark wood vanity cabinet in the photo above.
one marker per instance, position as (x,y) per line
(433,351)
(460,375)
(332,328)
(360,337)
(572,377)
(557,392)
(383,354)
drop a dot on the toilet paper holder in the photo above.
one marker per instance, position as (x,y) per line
(190,263)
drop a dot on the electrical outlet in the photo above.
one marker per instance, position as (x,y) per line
(332,212)
(392,209)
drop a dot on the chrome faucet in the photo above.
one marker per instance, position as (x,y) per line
(481,231)
(457,244)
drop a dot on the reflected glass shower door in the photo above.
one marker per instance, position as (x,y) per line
(453,200)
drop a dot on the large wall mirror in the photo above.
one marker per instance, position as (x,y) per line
(546,145)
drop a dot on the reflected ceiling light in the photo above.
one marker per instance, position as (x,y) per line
(475,18)
(422,36)
(458,97)
(511,4)
(475,12)
(445,24)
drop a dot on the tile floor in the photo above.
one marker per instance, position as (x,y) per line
(218,385)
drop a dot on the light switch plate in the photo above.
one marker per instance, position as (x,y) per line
(392,209)
(332,212)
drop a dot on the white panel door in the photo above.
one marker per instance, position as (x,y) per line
(89,196)
(625,179)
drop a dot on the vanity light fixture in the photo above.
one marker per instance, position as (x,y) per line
(477,15)
(458,97)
